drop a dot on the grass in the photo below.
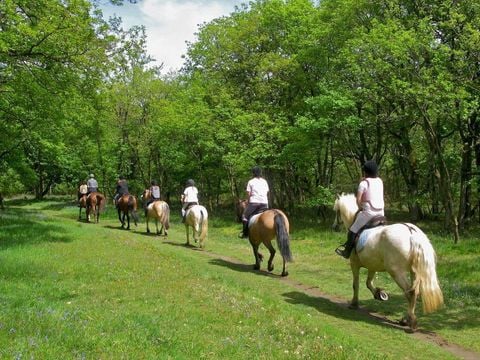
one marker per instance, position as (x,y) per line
(83,291)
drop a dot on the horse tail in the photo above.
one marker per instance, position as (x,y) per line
(283,239)
(166,211)
(101,202)
(423,265)
(204,224)
(132,205)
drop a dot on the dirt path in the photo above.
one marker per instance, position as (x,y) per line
(427,336)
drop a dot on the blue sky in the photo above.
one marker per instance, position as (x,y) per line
(170,23)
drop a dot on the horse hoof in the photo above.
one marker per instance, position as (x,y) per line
(403,322)
(256,267)
(285,273)
(380,295)
(353,306)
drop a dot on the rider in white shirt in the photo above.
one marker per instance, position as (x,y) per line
(189,197)
(370,202)
(257,192)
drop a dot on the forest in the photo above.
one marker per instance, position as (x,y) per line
(307,90)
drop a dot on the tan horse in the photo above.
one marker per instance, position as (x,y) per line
(262,229)
(82,204)
(399,249)
(196,217)
(158,210)
(95,203)
(126,205)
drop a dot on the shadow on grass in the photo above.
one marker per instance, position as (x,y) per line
(184,245)
(240,267)
(338,310)
(27,227)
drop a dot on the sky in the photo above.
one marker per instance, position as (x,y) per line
(170,23)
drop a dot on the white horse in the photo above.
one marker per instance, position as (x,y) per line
(399,249)
(197,218)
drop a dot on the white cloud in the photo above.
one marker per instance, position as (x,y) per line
(170,23)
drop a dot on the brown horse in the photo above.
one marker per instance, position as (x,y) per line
(82,204)
(126,205)
(263,228)
(95,203)
(158,210)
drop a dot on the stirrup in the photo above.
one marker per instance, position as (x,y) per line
(341,251)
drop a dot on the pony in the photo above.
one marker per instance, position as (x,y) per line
(158,210)
(196,217)
(262,228)
(82,204)
(95,203)
(399,249)
(126,205)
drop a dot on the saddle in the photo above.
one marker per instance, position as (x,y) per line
(374,222)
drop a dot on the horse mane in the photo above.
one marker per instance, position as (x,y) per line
(346,204)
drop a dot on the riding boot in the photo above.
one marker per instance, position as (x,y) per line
(348,246)
(244,233)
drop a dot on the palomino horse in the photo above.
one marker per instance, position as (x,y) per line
(158,210)
(399,249)
(82,204)
(262,228)
(196,217)
(126,205)
(95,203)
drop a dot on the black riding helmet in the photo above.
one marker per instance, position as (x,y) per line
(370,168)
(190,182)
(256,171)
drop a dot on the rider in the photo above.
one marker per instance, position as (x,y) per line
(122,189)
(82,189)
(370,202)
(154,194)
(189,197)
(92,184)
(257,195)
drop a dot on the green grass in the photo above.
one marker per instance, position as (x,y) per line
(75,290)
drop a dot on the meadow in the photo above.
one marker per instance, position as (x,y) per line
(75,290)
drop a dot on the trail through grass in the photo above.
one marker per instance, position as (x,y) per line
(77,290)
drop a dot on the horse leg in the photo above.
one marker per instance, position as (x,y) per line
(257,256)
(269,246)
(147,221)
(128,219)
(120,217)
(411,294)
(188,234)
(156,225)
(378,293)
(80,213)
(356,281)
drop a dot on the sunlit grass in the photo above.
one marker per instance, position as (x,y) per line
(77,290)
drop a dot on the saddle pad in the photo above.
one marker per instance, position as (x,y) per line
(253,219)
(363,238)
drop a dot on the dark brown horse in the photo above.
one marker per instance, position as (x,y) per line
(126,205)
(95,203)
(263,228)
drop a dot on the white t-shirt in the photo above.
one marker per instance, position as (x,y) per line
(372,190)
(190,194)
(258,190)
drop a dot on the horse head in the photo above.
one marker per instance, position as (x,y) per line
(240,207)
(345,208)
